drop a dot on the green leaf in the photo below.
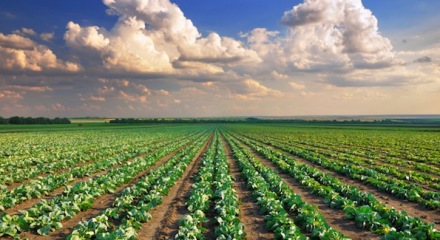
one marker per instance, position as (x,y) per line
(44,230)
(57,225)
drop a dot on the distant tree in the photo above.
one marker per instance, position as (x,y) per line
(3,120)
(39,120)
(15,120)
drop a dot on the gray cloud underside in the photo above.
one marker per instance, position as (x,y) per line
(155,58)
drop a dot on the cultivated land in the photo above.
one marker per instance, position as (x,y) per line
(219,181)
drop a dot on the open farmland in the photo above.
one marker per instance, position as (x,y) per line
(224,181)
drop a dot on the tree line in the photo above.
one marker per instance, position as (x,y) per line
(30,120)
(265,120)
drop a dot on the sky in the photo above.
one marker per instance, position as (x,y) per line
(198,58)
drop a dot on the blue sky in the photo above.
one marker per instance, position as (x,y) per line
(73,58)
(228,17)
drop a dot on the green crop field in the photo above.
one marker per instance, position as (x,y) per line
(219,181)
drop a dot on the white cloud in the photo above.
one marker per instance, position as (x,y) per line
(47,36)
(85,37)
(335,41)
(154,61)
(18,53)
(327,35)
(155,37)
(10,95)
(216,49)
(25,31)
(31,88)
(279,76)
(16,41)
(297,86)
(251,90)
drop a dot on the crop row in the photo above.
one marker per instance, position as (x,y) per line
(44,185)
(363,208)
(417,172)
(200,198)
(372,157)
(26,150)
(352,169)
(287,215)
(375,163)
(12,174)
(48,215)
(213,186)
(386,143)
(50,152)
(131,208)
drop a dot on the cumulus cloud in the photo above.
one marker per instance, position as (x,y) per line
(154,36)
(327,35)
(217,49)
(15,41)
(85,37)
(154,60)
(19,53)
(337,38)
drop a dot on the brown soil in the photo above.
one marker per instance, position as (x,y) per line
(60,170)
(165,217)
(413,209)
(29,203)
(42,175)
(99,205)
(254,224)
(383,151)
(335,218)
(381,162)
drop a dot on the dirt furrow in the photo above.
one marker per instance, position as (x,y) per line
(381,162)
(29,203)
(165,217)
(80,164)
(413,209)
(99,205)
(42,175)
(381,150)
(335,218)
(254,224)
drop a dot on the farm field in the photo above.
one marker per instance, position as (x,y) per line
(220,181)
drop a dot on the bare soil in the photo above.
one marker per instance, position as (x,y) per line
(44,174)
(56,171)
(413,209)
(165,217)
(253,222)
(381,162)
(335,218)
(99,205)
(29,203)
